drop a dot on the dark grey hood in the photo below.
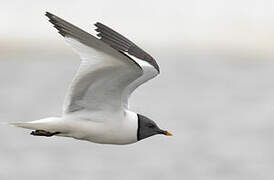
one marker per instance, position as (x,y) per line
(147,128)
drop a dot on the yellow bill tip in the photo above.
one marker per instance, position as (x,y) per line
(169,133)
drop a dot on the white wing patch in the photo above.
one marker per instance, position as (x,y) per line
(100,80)
(149,72)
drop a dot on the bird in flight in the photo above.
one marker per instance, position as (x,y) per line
(96,104)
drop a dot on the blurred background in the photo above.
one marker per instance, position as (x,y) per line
(215,91)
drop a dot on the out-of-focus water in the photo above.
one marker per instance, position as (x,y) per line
(219,107)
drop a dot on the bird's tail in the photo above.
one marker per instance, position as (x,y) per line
(42,124)
(26,125)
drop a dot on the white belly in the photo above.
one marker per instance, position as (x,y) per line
(107,132)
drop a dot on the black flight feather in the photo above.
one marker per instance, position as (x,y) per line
(119,42)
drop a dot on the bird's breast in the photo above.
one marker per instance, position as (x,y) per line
(110,131)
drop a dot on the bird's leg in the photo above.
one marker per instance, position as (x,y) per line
(43,133)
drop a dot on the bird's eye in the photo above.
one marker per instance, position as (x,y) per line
(151,125)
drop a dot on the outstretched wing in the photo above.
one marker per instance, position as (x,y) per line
(120,43)
(111,68)
(103,75)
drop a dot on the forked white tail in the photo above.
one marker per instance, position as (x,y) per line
(48,124)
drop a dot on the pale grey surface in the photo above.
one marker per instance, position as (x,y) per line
(239,24)
(219,106)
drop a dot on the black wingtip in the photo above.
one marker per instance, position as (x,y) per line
(121,43)
(53,19)
(98,24)
(48,14)
(101,25)
(51,16)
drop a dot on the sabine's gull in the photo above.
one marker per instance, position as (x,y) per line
(96,105)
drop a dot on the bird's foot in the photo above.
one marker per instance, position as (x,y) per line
(43,133)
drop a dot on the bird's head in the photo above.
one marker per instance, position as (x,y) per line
(147,128)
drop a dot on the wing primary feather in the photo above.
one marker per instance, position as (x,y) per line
(111,35)
(106,34)
(103,27)
(67,29)
(112,44)
(119,42)
(62,23)
(116,39)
